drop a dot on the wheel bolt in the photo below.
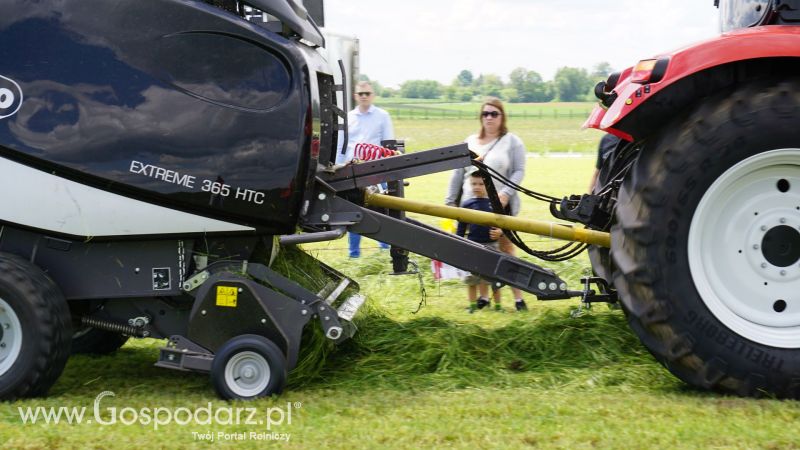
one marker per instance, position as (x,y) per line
(3,345)
(763,228)
(783,220)
(7,326)
(783,273)
(763,265)
(755,247)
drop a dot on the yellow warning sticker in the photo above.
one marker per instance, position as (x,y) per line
(227,296)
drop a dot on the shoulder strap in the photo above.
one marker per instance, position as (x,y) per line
(495,143)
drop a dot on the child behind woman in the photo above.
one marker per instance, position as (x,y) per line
(483,235)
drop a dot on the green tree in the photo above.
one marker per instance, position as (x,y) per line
(530,86)
(450,92)
(457,94)
(491,85)
(602,70)
(572,84)
(477,85)
(465,94)
(464,78)
(509,94)
(421,89)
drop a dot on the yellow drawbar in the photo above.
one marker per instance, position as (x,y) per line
(555,230)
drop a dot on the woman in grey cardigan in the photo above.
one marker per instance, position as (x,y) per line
(503,152)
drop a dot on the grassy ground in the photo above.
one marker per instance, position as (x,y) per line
(441,378)
(405,108)
(539,135)
(544,127)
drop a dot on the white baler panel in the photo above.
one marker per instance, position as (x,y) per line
(40,200)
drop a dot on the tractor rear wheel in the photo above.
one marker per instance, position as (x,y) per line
(706,247)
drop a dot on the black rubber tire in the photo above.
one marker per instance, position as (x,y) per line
(600,257)
(650,240)
(255,343)
(97,342)
(601,262)
(46,328)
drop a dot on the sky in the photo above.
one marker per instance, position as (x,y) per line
(435,40)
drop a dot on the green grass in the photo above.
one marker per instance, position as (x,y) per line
(540,136)
(472,108)
(441,378)
(403,109)
(544,127)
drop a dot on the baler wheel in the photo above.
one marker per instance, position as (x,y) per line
(247,367)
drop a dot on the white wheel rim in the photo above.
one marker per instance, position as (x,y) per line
(743,282)
(11,339)
(247,374)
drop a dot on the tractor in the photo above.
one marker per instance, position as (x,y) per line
(704,195)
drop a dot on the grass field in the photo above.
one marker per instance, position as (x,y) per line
(544,127)
(441,378)
(403,108)
(541,136)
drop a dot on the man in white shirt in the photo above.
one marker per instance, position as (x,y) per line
(366,123)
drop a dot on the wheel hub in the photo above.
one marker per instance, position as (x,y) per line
(772,244)
(744,248)
(247,373)
(781,246)
(10,336)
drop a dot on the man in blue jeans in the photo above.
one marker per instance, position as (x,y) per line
(366,124)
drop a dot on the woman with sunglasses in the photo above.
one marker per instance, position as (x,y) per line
(503,152)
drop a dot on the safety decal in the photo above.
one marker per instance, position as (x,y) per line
(161,279)
(227,296)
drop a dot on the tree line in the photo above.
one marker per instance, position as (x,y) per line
(569,84)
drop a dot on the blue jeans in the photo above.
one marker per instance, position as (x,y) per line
(355,244)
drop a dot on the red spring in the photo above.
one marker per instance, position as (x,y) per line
(371,152)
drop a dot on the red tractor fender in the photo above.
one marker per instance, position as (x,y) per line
(639,107)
